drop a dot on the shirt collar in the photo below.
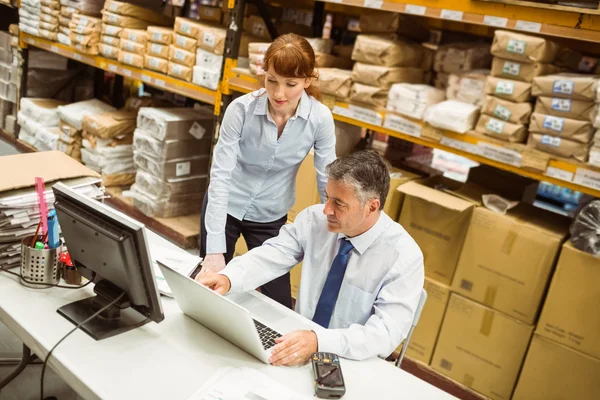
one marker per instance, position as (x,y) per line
(303,109)
(362,242)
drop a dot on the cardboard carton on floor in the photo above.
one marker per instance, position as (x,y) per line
(554,371)
(395,198)
(570,315)
(507,260)
(481,348)
(307,192)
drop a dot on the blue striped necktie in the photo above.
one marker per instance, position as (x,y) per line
(331,289)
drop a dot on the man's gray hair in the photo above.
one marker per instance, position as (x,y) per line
(365,171)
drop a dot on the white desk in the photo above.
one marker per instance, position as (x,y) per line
(170,360)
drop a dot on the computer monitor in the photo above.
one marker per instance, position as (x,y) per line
(103,241)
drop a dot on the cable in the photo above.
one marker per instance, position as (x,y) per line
(112,303)
(47,284)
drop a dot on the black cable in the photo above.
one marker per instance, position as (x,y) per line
(47,284)
(112,303)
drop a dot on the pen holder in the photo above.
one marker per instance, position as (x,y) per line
(39,267)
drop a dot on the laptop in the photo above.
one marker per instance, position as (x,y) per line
(221,315)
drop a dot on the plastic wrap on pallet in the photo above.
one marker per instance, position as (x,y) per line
(585,229)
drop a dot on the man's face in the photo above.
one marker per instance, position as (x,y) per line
(343,209)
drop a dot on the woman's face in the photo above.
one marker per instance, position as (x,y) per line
(284,93)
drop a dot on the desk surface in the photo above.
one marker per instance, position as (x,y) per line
(169,360)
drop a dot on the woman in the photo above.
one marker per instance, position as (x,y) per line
(264,137)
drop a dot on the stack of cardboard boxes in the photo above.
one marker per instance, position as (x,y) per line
(39,120)
(85,33)
(9,82)
(157,49)
(39,18)
(132,46)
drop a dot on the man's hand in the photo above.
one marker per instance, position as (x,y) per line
(295,348)
(217,282)
(212,263)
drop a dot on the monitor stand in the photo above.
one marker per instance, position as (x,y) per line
(116,319)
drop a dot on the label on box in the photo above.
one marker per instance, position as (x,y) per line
(132,36)
(180,41)
(516,46)
(551,140)
(112,30)
(83,21)
(159,82)
(505,87)
(179,55)
(554,123)
(63,147)
(402,125)
(127,72)
(156,36)
(186,28)
(80,38)
(502,112)
(209,39)
(511,68)
(128,58)
(460,145)
(588,178)
(563,87)
(452,15)
(258,29)
(561,104)
(156,48)
(528,26)
(146,78)
(197,131)
(495,21)
(177,69)
(153,63)
(559,174)
(129,46)
(114,7)
(359,113)
(183,168)
(495,125)
(113,19)
(416,10)
(373,3)
(502,154)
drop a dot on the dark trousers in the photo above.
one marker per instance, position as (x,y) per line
(255,234)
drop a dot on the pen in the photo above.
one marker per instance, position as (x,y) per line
(34,239)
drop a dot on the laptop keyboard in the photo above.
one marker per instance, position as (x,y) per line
(266,334)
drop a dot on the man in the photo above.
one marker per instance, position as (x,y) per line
(362,274)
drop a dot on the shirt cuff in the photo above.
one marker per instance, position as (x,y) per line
(215,243)
(236,279)
(329,341)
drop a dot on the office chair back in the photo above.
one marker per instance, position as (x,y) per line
(416,318)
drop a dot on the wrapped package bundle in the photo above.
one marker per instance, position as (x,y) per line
(74,113)
(571,86)
(370,95)
(516,113)
(521,71)
(571,129)
(453,115)
(336,82)
(559,146)
(385,77)
(467,87)
(462,57)
(511,90)
(412,100)
(567,108)
(524,48)
(386,52)
(110,124)
(158,34)
(501,129)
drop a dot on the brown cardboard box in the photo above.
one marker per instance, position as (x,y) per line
(132,59)
(124,8)
(184,42)
(570,314)
(386,52)
(179,71)
(295,278)
(156,64)
(324,60)
(385,77)
(68,129)
(516,113)
(85,21)
(558,146)
(438,222)
(91,39)
(347,136)
(370,95)
(553,371)
(481,348)
(108,51)
(502,130)
(256,26)
(395,198)
(158,50)
(571,129)
(240,247)
(505,183)
(110,124)
(378,22)
(111,30)
(123,21)
(518,71)
(523,48)
(110,40)
(212,38)
(336,82)
(459,57)
(210,14)
(567,108)
(135,35)
(182,57)
(245,43)
(570,86)
(132,47)
(307,192)
(516,91)
(425,336)
(187,27)
(158,34)
(506,260)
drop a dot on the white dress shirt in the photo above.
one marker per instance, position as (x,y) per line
(253,173)
(379,293)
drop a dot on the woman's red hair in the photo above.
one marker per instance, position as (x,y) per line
(292,56)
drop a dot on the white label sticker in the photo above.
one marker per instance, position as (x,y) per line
(132,36)
(451,15)
(495,21)
(563,87)
(83,21)
(114,7)
(495,125)
(460,145)
(516,46)
(502,112)
(402,125)
(177,69)
(153,62)
(180,41)
(561,104)
(550,140)
(186,28)
(511,68)
(112,30)
(156,36)
(127,72)
(559,174)
(258,29)
(78,56)
(197,130)
(54,49)
(505,87)
(129,46)
(209,39)
(502,154)
(554,123)
(359,113)
(373,3)
(183,168)
(113,19)
(588,178)
(179,55)
(528,26)
(416,10)
(146,78)
(113,68)
(160,82)
(62,147)
(156,48)
(128,58)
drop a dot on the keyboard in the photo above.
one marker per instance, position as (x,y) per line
(266,334)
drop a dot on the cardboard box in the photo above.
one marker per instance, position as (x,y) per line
(175,123)
(370,95)
(518,71)
(553,371)
(438,222)
(385,77)
(135,60)
(135,35)
(256,26)
(184,42)
(206,59)
(158,34)
(111,30)
(110,124)
(378,22)
(212,38)
(110,40)
(558,146)
(425,335)
(180,71)
(182,57)
(240,247)
(125,8)
(516,91)
(158,50)
(156,64)
(214,14)
(459,57)
(507,260)
(481,348)
(132,47)
(567,108)
(123,21)
(571,129)
(524,48)
(108,51)
(386,52)
(307,192)
(395,198)
(570,314)
(570,86)
(502,130)
(245,47)
(206,77)
(325,60)
(295,278)
(187,27)
(516,113)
